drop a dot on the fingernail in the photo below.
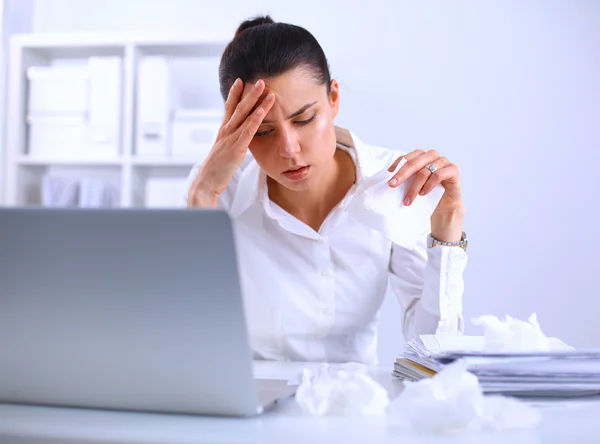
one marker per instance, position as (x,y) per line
(257,84)
(270,96)
(422,193)
(393,181)
(260,111)
(407,201)
(235,83)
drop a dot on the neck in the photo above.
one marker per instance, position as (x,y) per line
(314,204)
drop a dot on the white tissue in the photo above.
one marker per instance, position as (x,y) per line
(350,391)
(511,335)
(380,207)
(453,401)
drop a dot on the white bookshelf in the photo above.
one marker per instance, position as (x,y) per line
(193,59)
(25,160)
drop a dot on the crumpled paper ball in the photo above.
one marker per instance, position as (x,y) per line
(347,391)
(453,401)
(511,335)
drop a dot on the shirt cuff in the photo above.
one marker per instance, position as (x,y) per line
(444,284)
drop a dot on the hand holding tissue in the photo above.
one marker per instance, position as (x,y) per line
(380,207)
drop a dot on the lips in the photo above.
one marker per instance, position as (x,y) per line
(297,173)
(291,170)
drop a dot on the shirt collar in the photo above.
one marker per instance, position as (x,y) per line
(252,184)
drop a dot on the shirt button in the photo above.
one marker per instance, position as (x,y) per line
(327,273)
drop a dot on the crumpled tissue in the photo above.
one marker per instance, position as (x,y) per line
(453,401)
(511,335)
(380,207)
(346,391)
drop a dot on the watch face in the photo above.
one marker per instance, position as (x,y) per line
(430,241)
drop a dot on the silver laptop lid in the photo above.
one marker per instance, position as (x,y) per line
(123,309)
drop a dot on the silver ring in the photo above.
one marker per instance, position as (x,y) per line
(431,167)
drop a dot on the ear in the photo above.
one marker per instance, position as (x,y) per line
(334,97)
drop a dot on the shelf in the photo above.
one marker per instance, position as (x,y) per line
(165,161)
(83,44)
(140,162)
(101,39)
(194,62)
(33,161)
(68,46)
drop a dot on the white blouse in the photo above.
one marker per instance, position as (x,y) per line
(314,296)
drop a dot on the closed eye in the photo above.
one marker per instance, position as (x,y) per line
(305,122)
(298,122)
(263,133)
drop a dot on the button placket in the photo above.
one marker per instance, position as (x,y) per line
(325,269)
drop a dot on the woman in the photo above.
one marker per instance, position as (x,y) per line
(313,277)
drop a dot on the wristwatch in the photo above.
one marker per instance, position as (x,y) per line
(462,243)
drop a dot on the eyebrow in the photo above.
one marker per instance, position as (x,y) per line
(296,114)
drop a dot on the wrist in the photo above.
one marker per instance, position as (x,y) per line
(448,226)
(204,198)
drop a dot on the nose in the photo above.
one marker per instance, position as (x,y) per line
(288,145)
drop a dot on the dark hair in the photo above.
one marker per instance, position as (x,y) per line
(262,48)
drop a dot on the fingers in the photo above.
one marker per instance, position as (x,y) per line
(447,173)
(408,156)
(249,128)
(395,164)
(421,177)
(412,166)
(244,107)
(235,92)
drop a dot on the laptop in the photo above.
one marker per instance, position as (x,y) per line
(126,309)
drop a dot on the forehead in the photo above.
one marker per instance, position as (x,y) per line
(294,86)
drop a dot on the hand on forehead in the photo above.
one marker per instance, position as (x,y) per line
(292,90)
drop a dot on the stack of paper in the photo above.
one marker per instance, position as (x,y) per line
(559,372)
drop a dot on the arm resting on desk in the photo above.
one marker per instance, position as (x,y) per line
(428,283)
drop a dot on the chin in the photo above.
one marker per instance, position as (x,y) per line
(296,185)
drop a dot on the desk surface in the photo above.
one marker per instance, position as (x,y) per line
(576,422)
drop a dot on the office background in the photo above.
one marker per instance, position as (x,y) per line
(509,90)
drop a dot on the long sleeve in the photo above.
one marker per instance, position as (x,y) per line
(429,285)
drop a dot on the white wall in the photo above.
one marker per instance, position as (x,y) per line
(509,90)
(3,70)
(15,16)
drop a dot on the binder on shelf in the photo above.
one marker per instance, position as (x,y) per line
(59,192)
(96,193)
(105,106)
(156,96)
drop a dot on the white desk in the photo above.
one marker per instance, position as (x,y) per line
(578,423)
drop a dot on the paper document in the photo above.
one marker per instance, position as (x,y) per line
(441,343)
(558,372)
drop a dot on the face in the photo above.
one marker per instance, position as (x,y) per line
(296,142)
